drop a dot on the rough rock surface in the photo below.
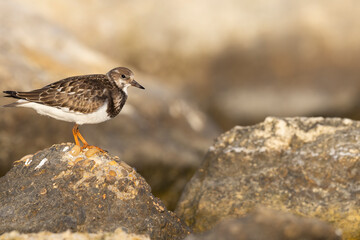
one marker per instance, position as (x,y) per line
(63,188)
(307,166)
(68,235)
(266,224)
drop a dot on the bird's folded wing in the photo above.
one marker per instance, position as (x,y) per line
(83,94)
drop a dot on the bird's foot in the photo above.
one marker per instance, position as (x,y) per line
(91,147)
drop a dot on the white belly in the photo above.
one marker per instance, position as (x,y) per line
(65,114)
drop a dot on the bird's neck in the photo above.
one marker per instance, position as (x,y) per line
(116,102)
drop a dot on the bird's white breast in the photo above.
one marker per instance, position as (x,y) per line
(64,114)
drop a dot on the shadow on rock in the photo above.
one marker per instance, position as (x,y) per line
(266,224)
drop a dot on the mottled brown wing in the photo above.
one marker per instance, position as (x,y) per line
(80,93)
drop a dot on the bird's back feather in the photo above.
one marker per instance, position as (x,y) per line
(79,94)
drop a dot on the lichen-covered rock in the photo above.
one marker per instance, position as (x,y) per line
(307,166)
(266,224)
(68,235)
(63,188)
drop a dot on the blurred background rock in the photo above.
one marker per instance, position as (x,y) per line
(206,67)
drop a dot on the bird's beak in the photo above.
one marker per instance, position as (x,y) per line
(136,84)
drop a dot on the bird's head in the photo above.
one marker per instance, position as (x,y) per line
(124,78)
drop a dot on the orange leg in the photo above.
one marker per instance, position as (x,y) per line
(75,130)
(77,135)
(82,138)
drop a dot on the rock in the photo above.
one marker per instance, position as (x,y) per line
(68,235)
(306,166)
(62,188)
(266,224)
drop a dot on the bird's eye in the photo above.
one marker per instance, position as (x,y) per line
(123,76)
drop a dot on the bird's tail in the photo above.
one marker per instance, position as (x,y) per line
(11,94)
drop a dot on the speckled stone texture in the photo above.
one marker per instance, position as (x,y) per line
(118,234)
(266,224)
(62,188)
(307,166)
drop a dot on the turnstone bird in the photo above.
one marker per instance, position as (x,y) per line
(86,99)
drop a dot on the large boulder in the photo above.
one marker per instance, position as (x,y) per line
(63,188)
(307,166)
